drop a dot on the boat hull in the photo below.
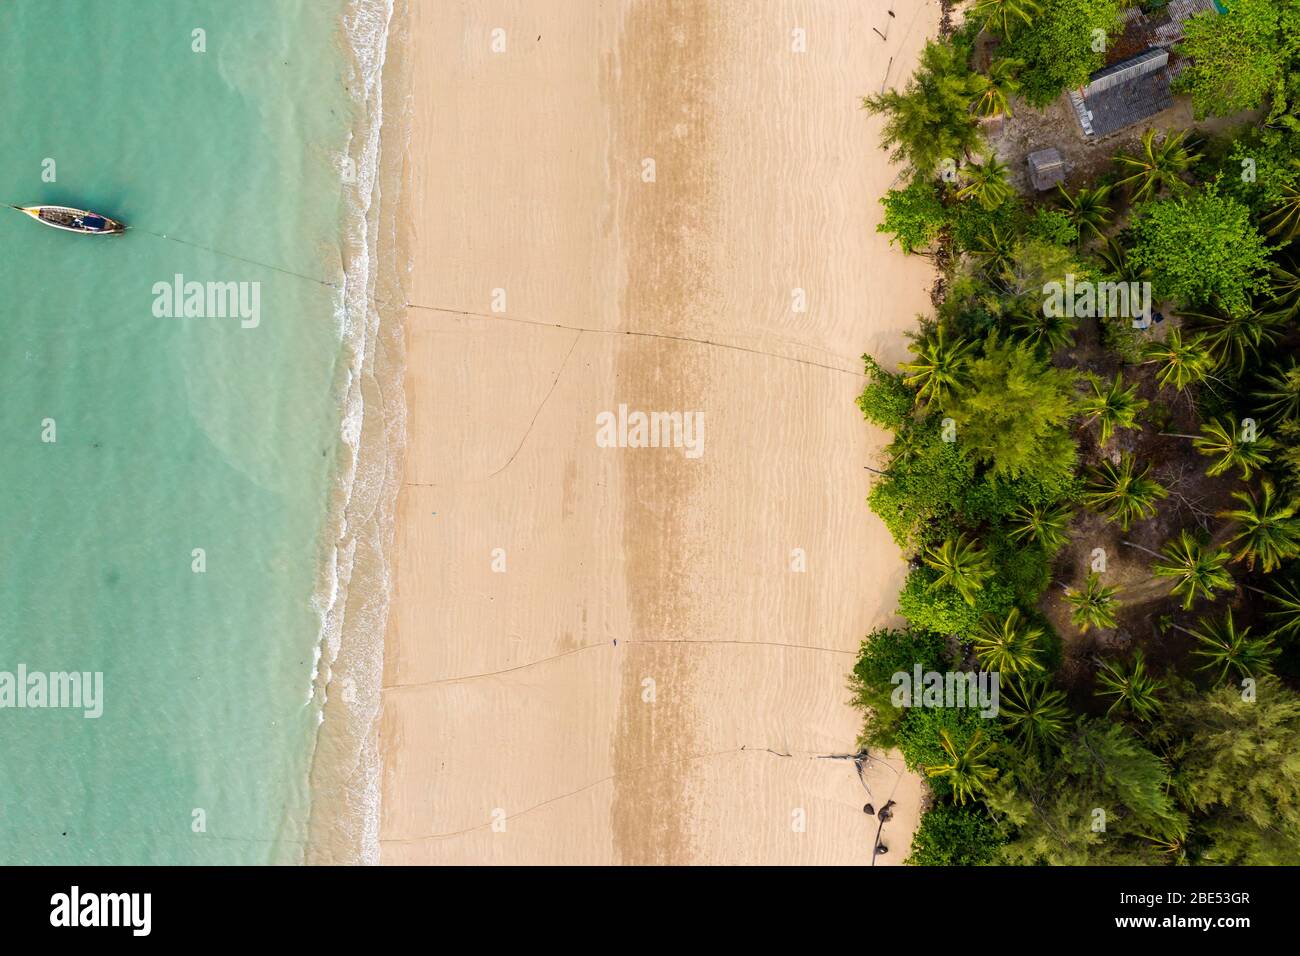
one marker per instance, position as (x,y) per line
(81,221)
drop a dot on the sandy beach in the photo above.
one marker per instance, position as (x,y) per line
(637,655)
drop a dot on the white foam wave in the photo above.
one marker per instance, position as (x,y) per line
(360,510)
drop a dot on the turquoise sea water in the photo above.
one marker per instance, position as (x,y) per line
(172,434)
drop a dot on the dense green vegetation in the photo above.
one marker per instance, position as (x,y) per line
(1102,511)
(1063,43)
(1239,62)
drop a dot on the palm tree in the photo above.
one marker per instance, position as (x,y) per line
(1285,613)
(970,771)
(961,565)
(1219,438)
(1048,332)
(1134,690)
(1269,530)
(1088,210)
(1122,493)
(1111,407)
(1288,433)
(1036,713)
(1155,167)
(1004,16)
(1281,392)
(909,445)
(1010,647)
(940,365)
(1042,524)
(1234,340)
(987,183)
(994,89)
(1197,569)
(1173,844)
(1225,647)
(1118,264)
(1246,452)
(1093,606)
(1182,363)
(996,252)
(1284,290)
(1283,220)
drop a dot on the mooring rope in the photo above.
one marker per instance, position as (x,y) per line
(231,255)
(219,252)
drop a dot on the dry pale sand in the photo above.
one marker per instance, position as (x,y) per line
(695,739)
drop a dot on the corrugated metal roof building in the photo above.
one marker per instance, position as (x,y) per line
(1136,87)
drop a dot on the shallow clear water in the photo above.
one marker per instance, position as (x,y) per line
(172,434)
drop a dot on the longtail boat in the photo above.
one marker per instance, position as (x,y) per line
(75,220)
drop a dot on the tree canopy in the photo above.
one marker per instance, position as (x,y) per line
(1102,800)
(914,214)
(1237,768)
(1064,45)
(1171,739)
(1202,250)
(1012,413)
(930,121)
(1238,59)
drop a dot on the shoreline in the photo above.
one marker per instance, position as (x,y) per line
(554,735)
(343,823)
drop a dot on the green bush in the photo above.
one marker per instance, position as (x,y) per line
(921,745)
(883,654)
(918,500)
(971,222)
(994,498)
(1258,167)
(1053,226)
(1202,250)
(914,214)
(952,835)
(1026,571)
(945,611)
(929,120)
(885,401)
(1236,61)
(933,490)
(1053,648)
(1102,765)
(1060,47)
(1119,336)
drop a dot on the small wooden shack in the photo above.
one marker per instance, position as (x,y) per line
(1046,168)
